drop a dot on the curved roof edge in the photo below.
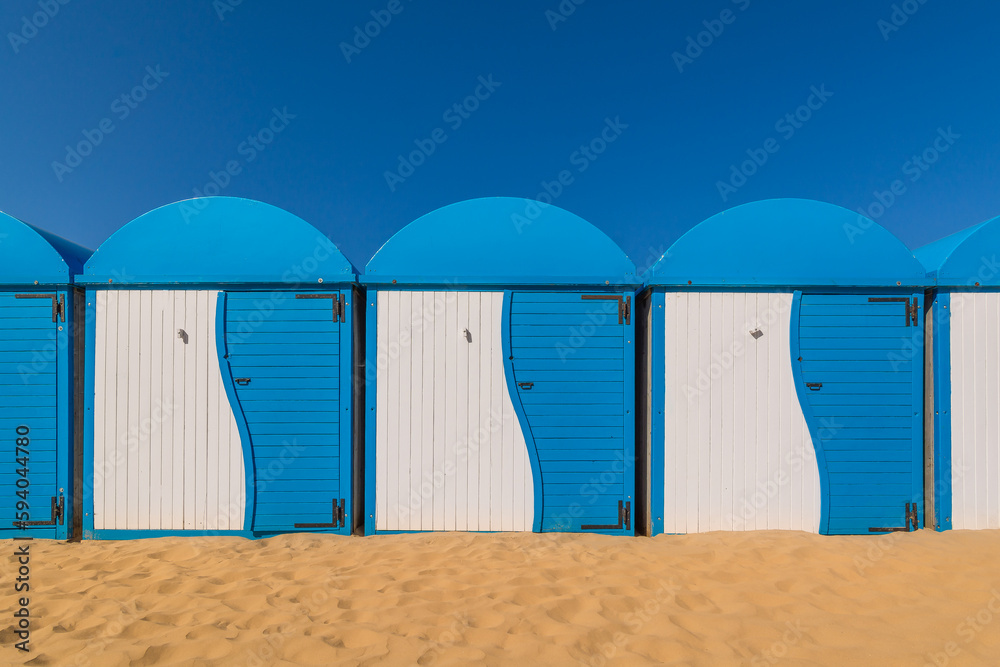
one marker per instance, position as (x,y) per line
(498,241)
(217,240)
(787,243)
(967,258)
(30,255)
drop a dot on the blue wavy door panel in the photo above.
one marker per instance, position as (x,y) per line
(29,404)
(284,353)
(860,371)
(570,373)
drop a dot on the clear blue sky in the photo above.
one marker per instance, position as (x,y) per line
(220,79)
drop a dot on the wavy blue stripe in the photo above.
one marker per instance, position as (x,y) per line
(811,421)
(522,418)
(249,469)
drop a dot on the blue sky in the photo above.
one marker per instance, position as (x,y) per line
(310,117)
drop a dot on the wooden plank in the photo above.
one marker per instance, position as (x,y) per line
(452,409)
(438,342)
(382,408)
(414,497)
(463,403)
(104,405)
(120,460)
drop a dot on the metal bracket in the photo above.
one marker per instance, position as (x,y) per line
(624,519)
(339,518)
(58,304)
(910,522)
(57,515)
(338,303)
(624,305)
(909,310)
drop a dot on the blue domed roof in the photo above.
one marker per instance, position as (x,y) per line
(968,258)
(787,243)
(29,255)
(501,241)
(218,240)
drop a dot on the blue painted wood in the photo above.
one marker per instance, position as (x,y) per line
(576,488)
(942,411)
(551,247)
(218,240)
(869,442)
(749,245)
(370,417)
(296,442)
(34,395)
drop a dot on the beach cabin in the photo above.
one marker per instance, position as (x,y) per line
(965,312)
(220,375)
(500,380)
(783,375)
(38,358)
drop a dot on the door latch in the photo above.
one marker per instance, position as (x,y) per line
(57,515)
(525,385)
(242,381)
(814,386)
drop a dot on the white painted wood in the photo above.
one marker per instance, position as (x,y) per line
(164,430)
(450,454)
(975,410)
(737,450)
(382,302)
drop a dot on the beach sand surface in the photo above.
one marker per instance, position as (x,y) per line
(763,598)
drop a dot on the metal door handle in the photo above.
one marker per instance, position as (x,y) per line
(814,386)
(242,381)
(525,385)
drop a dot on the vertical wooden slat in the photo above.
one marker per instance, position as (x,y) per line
(429,406)
(104,403)
(382,434)
(451,409)
(462,407)
(149,461)
(120,434)
(484,432)
(395,440)
(741,342)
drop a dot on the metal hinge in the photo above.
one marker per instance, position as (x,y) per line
(911,521)
(58,304)
(624,519)
(910,310)
(57,515)
(624,305)
(338,303)
(338,521)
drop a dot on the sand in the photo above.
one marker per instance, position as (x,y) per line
(457,599)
